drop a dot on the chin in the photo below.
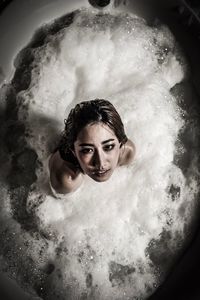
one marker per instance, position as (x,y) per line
(101,178)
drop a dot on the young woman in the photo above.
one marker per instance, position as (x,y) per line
(93,143)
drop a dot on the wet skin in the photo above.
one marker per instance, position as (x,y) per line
(98,152)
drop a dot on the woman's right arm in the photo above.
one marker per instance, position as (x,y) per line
(64,176)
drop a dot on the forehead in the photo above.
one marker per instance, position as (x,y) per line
(96,132)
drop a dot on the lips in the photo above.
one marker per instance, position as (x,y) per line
(100,173)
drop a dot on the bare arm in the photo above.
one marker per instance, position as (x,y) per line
(127,153)
(64,177)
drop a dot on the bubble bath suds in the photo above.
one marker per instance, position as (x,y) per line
(117,239)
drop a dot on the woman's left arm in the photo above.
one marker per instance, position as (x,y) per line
(127,153)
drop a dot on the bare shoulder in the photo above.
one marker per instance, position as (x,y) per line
(64,176)
(127,153)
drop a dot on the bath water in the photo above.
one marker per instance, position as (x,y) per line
(116,239)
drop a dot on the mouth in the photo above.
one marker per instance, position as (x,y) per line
(100,173)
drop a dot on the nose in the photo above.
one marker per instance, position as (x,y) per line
(99,160)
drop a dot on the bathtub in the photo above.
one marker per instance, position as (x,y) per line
(28,16)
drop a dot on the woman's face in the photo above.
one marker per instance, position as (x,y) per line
(97,150)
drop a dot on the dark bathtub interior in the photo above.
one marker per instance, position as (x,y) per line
(183,18)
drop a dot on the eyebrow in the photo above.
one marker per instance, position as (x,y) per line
(104,142)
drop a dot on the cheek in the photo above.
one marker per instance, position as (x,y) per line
(115,157)
(83,159)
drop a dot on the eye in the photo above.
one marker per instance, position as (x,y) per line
(108,148)
(86,150)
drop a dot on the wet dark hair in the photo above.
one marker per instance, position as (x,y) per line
(84,113)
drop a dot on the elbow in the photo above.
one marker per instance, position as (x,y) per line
(60,188)
(132,152)
(66,184)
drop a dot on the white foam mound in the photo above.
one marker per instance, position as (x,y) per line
(107,227)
